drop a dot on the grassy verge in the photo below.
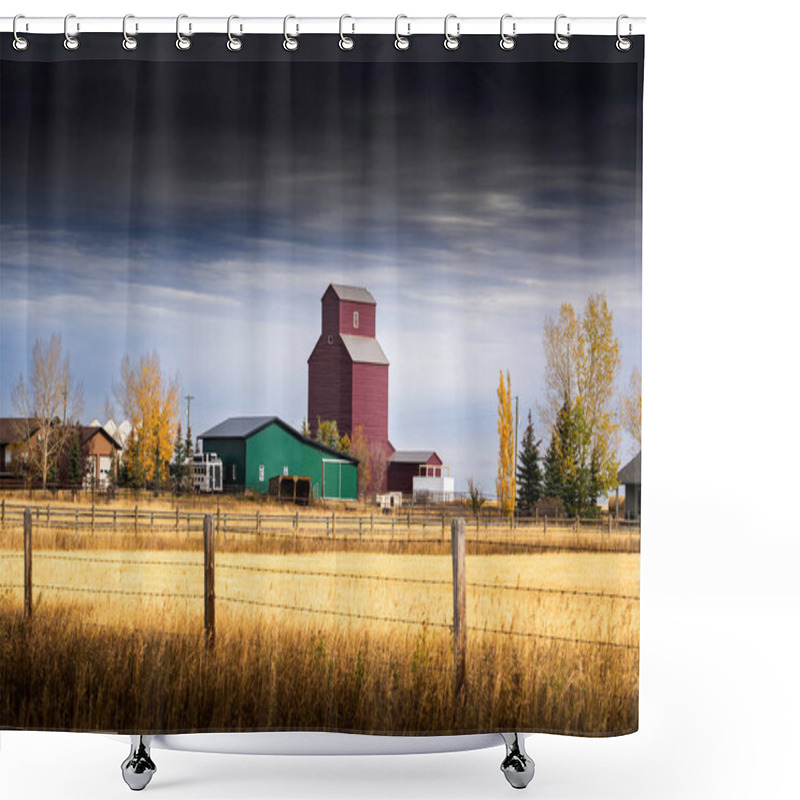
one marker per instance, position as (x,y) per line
(61,672)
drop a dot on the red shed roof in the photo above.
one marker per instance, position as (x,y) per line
(414,457)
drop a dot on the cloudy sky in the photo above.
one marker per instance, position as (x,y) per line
(202,209)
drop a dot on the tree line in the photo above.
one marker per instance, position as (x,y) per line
(52,448)
(582,363)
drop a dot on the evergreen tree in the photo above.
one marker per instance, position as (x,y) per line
(188,448)
(572,445)
(179,471)
(553,484)
(529,473)
(76,468)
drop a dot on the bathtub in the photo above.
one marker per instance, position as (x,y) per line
(139,767)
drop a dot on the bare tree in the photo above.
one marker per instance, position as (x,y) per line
(49,404)
(631,411)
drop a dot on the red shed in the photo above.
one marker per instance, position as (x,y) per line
(348,372)
(405,464)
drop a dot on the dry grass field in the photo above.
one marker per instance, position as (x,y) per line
(334,634)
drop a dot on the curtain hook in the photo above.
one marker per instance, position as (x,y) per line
(346,42)
(234,43)
(561,42)
(507,42)
(20,42)
(70,42)
(182,42)
(129,42)
(452,42)
(401,42)
(289,42)
(623,44)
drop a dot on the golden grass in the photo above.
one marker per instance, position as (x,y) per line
(123,661)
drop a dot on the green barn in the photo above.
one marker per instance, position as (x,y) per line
(255,449)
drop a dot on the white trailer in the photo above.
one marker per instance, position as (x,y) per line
(207,472)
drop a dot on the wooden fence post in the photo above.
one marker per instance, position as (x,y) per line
(208,575)
(27,546)
(177,518)
(136,520)
(333,524)
(258,522)
(458,530)
(296,523)
(371,531)
(3,512)
(48,516)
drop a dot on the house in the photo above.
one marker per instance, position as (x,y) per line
(630,476)
(348,372)
(102,451)
(254,450)
(15,435)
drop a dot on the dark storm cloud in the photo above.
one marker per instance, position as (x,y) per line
(462,159)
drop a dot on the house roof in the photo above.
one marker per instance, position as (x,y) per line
(354,294)
(631,473)
(364,349)
(15,429)
(412,456)
(88,431)
(245,427)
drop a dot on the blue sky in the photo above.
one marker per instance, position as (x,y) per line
(210,235)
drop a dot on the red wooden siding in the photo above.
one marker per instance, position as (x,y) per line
(330,387)
(400,476)
(330,314)
(366,318)
(371,401)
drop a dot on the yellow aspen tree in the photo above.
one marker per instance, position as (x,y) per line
(506,472)
(150,401)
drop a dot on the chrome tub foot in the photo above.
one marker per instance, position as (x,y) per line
(517,766)
(138,768)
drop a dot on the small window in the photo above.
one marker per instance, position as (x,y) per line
(330,339)
(261,472)
(233,472)
(355,319)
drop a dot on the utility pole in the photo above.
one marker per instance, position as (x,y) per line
(189,398)
(516,429)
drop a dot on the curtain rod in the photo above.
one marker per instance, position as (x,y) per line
(461,26)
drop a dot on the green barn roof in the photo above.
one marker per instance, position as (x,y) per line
(245,427)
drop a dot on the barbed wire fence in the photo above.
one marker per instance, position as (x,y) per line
(458,626)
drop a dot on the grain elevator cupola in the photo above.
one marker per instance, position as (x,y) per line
(348,372)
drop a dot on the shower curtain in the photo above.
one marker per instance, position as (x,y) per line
(321,385)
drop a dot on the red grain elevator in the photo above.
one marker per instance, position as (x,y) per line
(348,372)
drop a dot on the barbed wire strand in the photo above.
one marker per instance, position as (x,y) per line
(568,639)
(125,561)
(331,612)
(178,595)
